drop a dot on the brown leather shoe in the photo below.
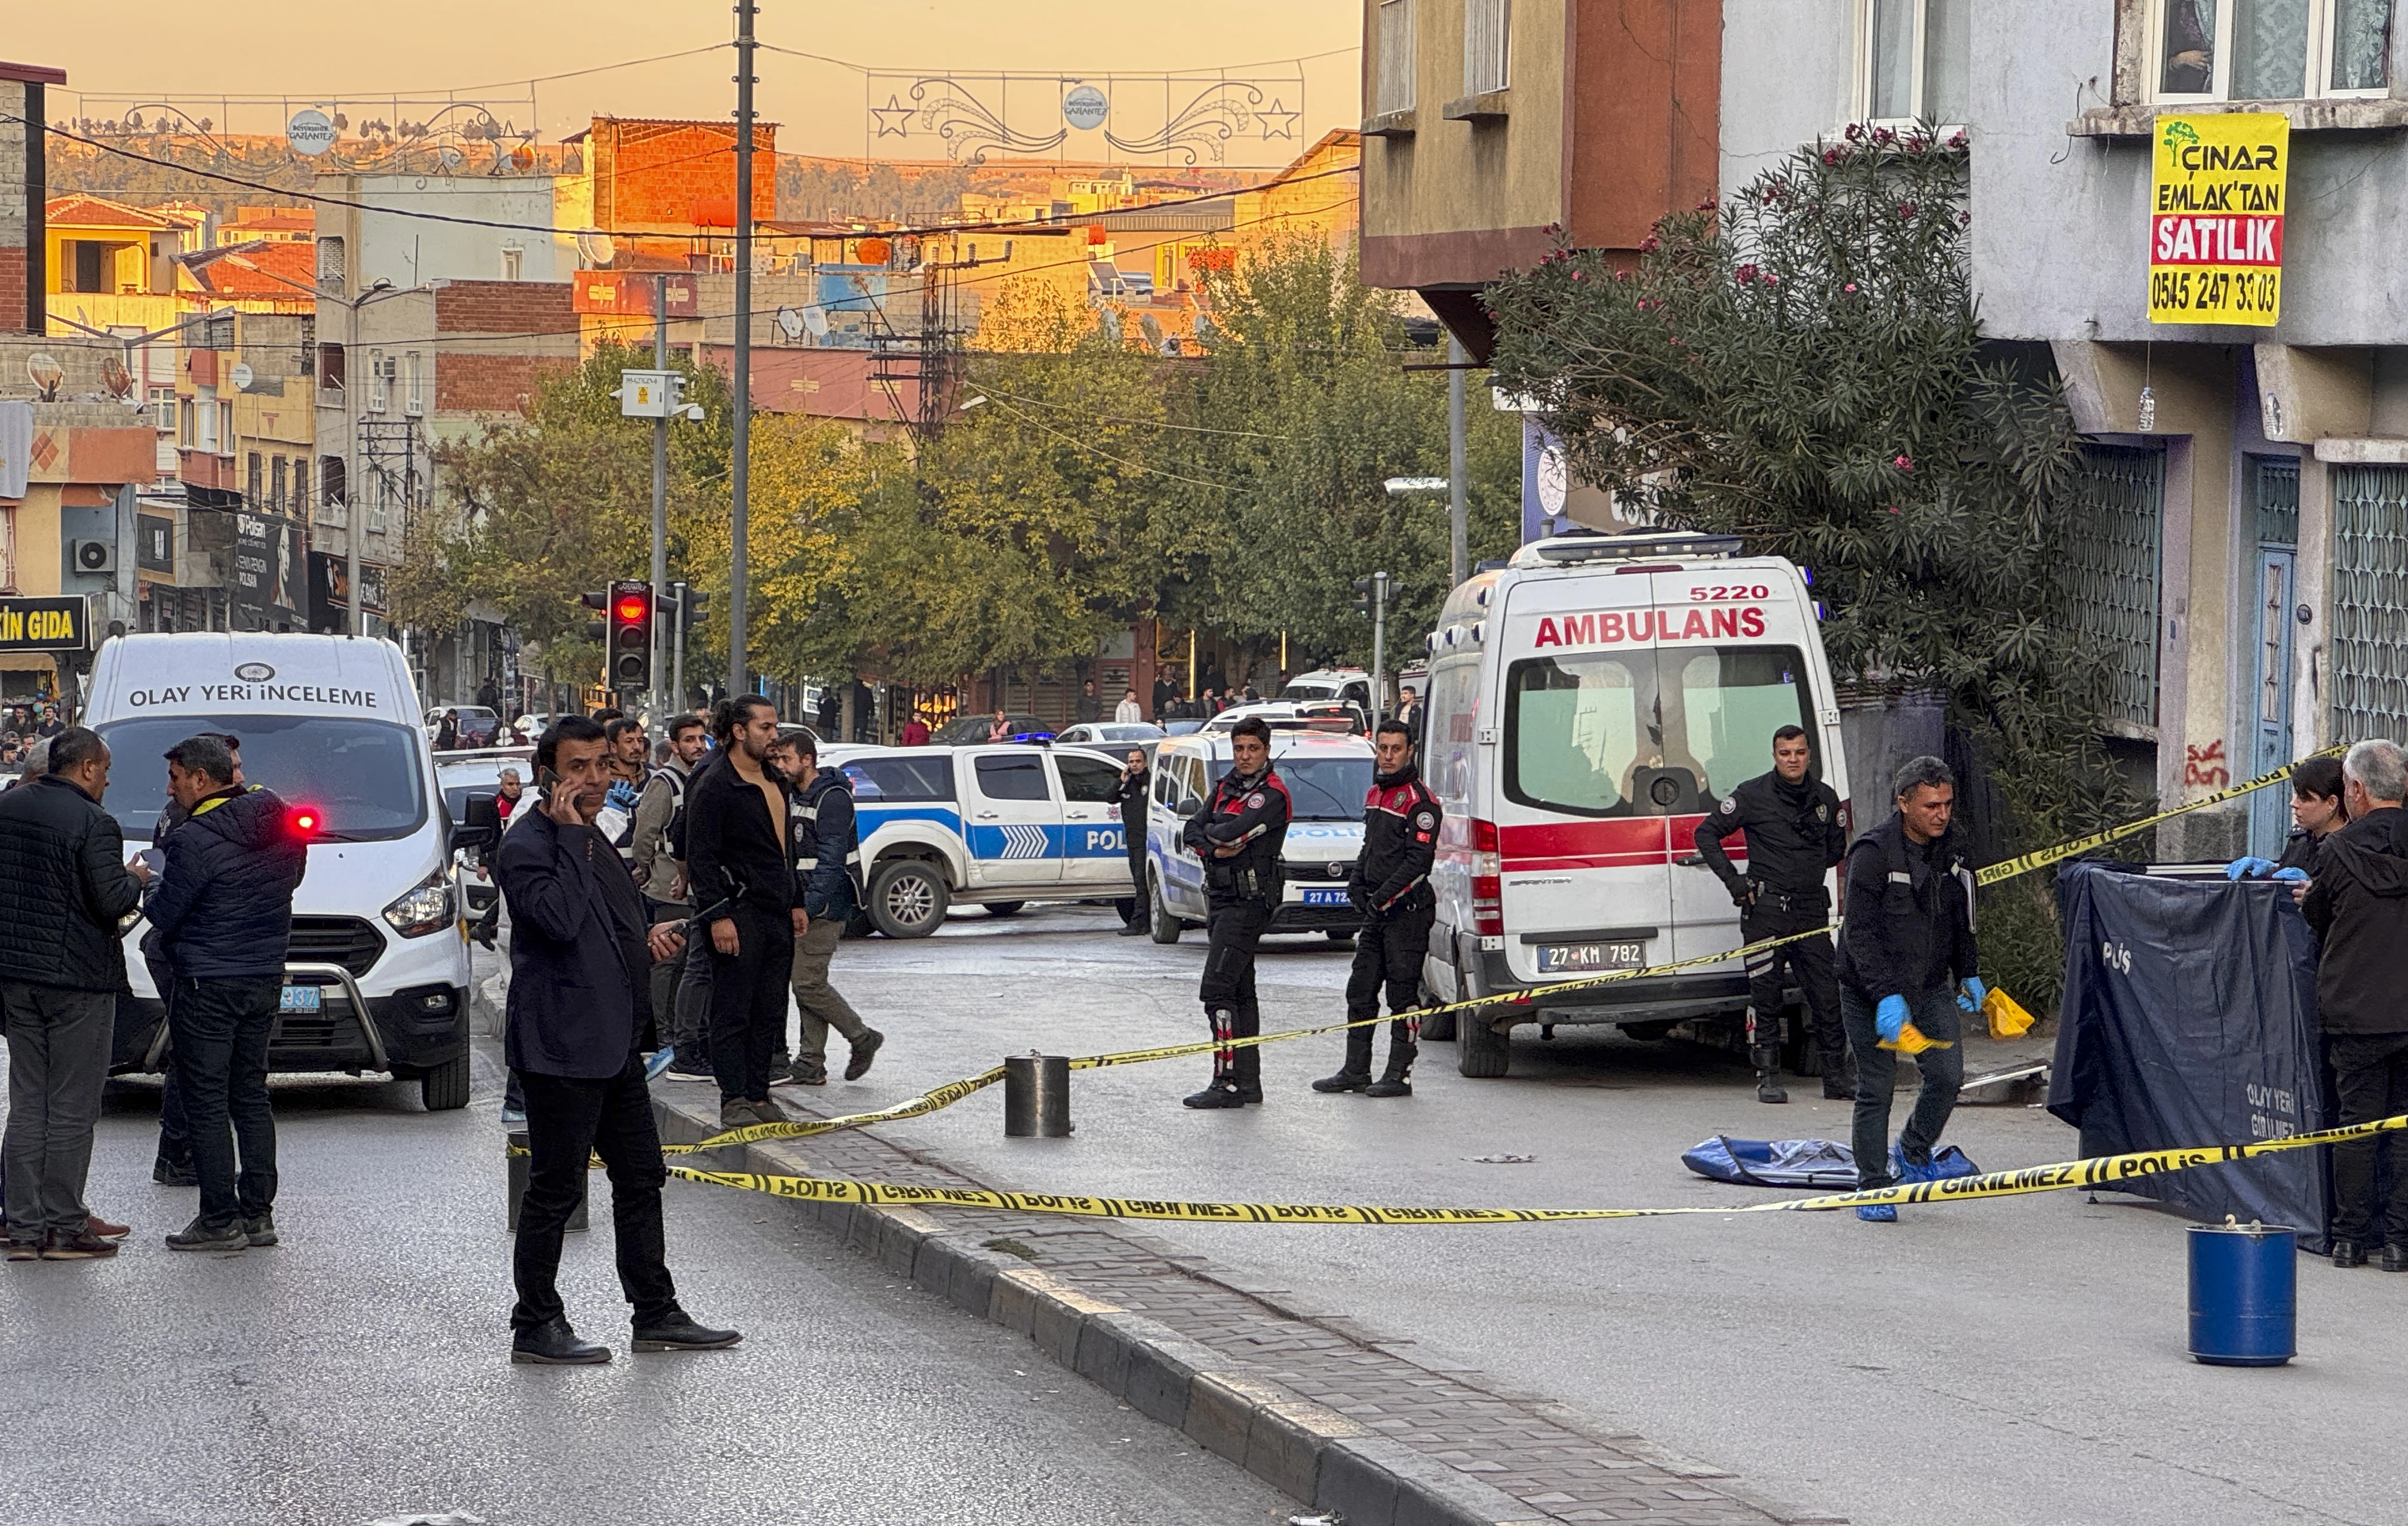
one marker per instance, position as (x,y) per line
(81,1246)
(105,1229)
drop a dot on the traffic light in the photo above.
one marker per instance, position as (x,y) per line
(1362,595)
(595,630)
(631,636)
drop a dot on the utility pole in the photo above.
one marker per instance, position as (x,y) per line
(1458,524)
(660,488)
(1379,649)
(677,677)
(740,468)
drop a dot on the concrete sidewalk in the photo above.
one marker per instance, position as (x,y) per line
(1334,1413)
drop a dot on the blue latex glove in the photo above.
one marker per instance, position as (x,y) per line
(2248,868)
(1971,993)
(1889,1017)
(2294,873)
(622,794)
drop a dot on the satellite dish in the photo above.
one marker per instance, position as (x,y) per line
(241,376)
(1206,331)
(790,323)
(815,318)
(1110,322)
(597,250)
(1152,329)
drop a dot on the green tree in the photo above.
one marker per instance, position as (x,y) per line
(1805,368)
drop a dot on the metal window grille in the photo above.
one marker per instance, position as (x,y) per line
(2114,571)
(2277,496)
(2370,603)
(1487,36)
(1396,43)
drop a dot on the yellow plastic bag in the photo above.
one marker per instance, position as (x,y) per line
(1910,1041)
(2008,1019)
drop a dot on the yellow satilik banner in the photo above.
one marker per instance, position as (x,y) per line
(2215,218)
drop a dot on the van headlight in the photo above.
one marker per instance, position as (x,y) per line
(425,908)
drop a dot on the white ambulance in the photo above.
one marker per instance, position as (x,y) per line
(1589,702)
(377,973)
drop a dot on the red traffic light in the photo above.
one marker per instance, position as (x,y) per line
(632,607)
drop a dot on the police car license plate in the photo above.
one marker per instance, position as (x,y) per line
(300,999)
(1325,898)
(1590,958)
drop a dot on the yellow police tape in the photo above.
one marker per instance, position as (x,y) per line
(2103,1171)
(954,1091)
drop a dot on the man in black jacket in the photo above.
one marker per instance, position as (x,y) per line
(1390,886)
(223,914)
(64,884)
(739,859)
(1794,837)
(1907,955)
(2358,905)
(1137,782)
(1238,834)
(579,1019)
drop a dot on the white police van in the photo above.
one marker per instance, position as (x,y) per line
(376,972)
(995,825)
(1589,702)
(1328,776)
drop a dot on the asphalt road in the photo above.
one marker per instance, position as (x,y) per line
(2019,1360)
(359,1371)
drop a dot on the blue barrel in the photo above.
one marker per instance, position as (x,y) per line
(2244,1295)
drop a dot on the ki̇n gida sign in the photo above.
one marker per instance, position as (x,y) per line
(2215,218)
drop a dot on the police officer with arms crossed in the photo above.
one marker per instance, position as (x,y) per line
(1794,837)
(1390,885)
(1238,835)
(1906,954)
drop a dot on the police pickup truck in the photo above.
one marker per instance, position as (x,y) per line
(997,826)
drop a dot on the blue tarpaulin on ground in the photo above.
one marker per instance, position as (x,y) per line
(1797,1163)
(2190,1018)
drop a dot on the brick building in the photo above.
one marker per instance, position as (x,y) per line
(23,183)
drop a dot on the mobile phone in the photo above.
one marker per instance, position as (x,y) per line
(545,778)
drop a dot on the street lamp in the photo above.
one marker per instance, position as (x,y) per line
(353,520)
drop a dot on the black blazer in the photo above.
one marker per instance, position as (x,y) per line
(581,973)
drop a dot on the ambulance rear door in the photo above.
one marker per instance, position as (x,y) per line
(1585,881)
(1739,658)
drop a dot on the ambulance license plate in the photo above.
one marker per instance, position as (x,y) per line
(1325,898)
(298,999)
(1590,958)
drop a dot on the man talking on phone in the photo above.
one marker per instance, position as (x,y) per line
(579,1018)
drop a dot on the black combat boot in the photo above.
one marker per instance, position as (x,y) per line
(1768,1074)
(1355,1074)
(1396,1080)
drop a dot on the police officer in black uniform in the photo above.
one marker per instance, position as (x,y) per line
(1794,837)
(1238,835)
(1390,886)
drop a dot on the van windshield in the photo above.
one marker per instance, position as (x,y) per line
(1325,789)
(364,774)
(1650,732)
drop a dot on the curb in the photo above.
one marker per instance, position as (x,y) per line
(1307,1451)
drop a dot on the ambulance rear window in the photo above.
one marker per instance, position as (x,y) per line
(1649,730)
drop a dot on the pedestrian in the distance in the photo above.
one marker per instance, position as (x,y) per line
(662,875)
(738,854)
(506,793)
(1907,955)
(2358,905)
(223,914)
(446,732)
(828,862)
(173,1166)
(1130,795)
(1238,835)
(64,884)
(1126,711)
(579,1014)
(1090,704)
(999,729)
(1390,886)
(915,731)
(1794,837)
(1165,699)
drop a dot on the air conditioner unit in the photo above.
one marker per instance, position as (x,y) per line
(94,555)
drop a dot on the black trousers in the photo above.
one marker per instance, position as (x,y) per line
(2371,1080)
(1938,1016)
(1133,837)
(1232,930)
(748,1003)
(666,975)
(1809,961)
(1388,953)
(569,1118)
(223,1026)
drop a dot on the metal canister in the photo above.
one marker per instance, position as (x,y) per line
(1037,1097)
(2244,1295)
(515,1154)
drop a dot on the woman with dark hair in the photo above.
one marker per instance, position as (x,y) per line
(2317,812)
